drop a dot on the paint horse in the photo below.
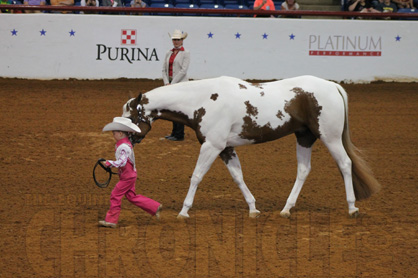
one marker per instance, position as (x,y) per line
(227,112)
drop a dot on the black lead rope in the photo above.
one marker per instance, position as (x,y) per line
(108,170)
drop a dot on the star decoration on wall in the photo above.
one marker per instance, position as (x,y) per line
(265,36)
(398,38)
(14,32)
(43,32)
(210,35)
(238,35)
(292,37)
(72,33)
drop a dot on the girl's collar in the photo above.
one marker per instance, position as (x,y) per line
(124,140)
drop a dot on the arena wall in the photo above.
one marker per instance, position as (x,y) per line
(63,46)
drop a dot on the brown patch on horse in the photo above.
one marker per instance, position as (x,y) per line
(141,99)
(262,93)
(173,116)
(280,114)
(242,86)
(227,154)
(214,97)
(252,131)
(144,99)
(257,85)
(251,110)
(304,111)
(195,124)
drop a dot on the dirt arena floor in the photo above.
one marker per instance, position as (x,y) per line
(51,138)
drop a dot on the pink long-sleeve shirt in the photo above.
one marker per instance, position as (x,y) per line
(125,159)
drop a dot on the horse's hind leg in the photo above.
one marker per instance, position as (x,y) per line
(207,156)
(231,160)
(304,167)
(344,163)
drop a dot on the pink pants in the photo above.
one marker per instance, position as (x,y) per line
(127,188)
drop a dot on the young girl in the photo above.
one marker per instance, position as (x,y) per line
(125,162)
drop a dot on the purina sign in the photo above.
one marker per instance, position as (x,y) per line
(126,53)
(340,45)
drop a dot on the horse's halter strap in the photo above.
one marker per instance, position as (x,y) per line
(140,119)
(139,109)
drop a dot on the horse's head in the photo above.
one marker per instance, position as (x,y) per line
(134,110)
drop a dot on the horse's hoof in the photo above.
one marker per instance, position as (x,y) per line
(285,214)
(255,214)
(181,216)
(354,213)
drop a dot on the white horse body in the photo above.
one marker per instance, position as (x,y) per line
(227,112)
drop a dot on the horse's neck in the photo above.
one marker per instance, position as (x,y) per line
(173,103)
(165,103)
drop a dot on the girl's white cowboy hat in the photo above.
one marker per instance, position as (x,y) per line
(121,124)
(177,34)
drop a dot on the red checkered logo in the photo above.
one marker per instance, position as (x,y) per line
(128,37)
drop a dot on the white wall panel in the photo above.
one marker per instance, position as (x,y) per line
(91,47)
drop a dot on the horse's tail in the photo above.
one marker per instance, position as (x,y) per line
(364,182)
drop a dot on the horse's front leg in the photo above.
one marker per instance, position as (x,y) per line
(231,160)
(207,156)
(304,167)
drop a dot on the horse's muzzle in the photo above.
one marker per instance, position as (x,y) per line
(135,139)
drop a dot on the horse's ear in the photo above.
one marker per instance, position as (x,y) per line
(138,99)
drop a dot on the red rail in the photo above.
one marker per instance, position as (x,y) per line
(182,11)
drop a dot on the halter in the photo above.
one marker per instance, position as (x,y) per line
(140,119)
(139,109)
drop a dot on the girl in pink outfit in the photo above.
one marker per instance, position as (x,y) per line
(125,162)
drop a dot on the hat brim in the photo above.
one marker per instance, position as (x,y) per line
(183,36)
(117,126)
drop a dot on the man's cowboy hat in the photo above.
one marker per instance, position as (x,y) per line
(121,124)
(178,35)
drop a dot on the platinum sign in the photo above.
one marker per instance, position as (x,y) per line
(340,45)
